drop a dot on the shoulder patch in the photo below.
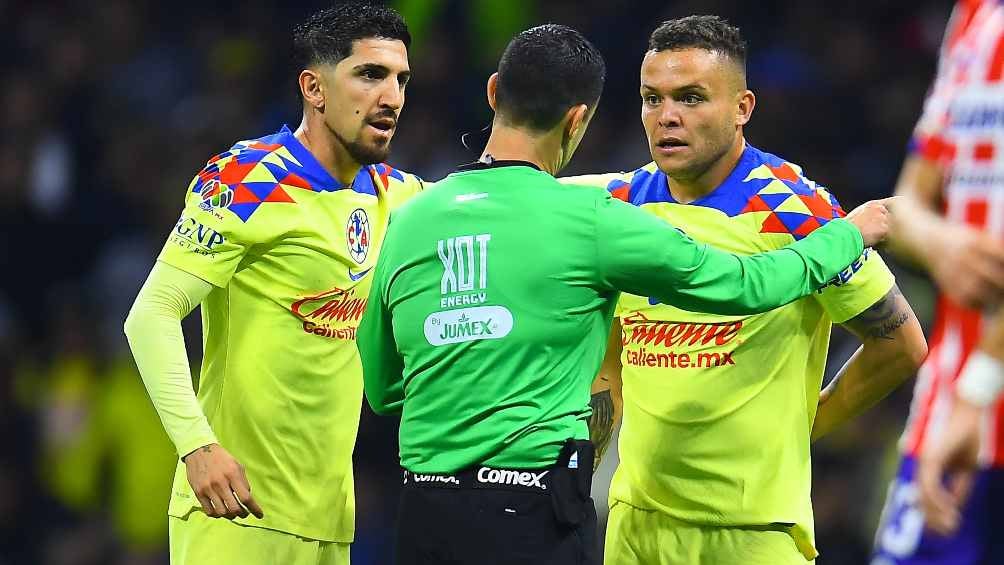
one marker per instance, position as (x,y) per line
(250,174)
(788,202)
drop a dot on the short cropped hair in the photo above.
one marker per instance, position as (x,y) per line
(702,32)
(543,72)
(326,36)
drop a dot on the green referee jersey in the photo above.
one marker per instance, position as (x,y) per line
(492,300)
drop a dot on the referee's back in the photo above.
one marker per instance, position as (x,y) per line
(493,297)
(490,309)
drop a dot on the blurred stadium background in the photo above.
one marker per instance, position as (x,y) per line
(109,107)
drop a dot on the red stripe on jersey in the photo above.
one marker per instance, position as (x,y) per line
(966,325)
(926,406)
(997,455)
(976,212)
(963,16)
(937,149)
(996,68)
(983,152)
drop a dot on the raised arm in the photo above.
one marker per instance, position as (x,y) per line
(643,255)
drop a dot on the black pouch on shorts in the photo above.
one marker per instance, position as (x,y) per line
(571,482)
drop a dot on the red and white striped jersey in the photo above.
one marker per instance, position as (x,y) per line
(962,128)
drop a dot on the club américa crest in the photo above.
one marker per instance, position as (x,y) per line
(357,235)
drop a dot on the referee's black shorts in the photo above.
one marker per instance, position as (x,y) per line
(488,516)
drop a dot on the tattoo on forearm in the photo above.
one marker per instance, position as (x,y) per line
(601,423)
(883,318)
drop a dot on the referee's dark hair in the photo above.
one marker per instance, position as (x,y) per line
(326,37)
(543,72)
(703,32)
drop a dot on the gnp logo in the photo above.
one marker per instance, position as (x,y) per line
(196,236)
(666,337)
(357,235)
(333,314)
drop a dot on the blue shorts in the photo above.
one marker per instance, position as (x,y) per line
(902,538)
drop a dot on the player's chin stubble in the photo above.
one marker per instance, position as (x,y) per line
(364,153)
(368,153)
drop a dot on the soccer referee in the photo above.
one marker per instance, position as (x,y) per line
(490,308)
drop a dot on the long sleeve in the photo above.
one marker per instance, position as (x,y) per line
(641,254)
(382,364)
(153,329)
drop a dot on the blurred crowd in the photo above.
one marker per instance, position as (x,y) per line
(108,108)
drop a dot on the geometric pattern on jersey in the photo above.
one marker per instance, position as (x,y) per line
(272,169)
(770,188)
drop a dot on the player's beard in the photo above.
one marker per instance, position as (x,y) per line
(364,153)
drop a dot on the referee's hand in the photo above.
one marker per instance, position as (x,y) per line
(219,483)
(872,219)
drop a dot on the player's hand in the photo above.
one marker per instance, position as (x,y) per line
(968,265)
(873,220)
(947,468)
(219,483)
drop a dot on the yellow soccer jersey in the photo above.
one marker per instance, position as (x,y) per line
(288,250)
(718,410)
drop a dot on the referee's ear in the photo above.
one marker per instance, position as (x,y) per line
(493,84)
(576,122)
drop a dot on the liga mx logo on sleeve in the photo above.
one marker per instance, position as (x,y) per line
(357,235)
(215,195)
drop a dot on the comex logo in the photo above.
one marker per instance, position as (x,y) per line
(420,478)
(512,478)
(357,235)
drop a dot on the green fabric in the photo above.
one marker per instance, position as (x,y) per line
(490,359)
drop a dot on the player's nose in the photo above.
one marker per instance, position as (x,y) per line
(670,117)
(391,96)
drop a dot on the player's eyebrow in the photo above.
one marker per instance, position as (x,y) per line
(381,70)
(685,87)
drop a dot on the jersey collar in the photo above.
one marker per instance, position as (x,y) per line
(319,177)
(494,164)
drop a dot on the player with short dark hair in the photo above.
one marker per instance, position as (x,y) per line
(275,241)
(491,305)
(719,411)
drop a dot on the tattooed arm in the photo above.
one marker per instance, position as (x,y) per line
(893,346)
(606,401)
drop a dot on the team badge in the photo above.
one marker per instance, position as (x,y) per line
(357,235)
(215,195)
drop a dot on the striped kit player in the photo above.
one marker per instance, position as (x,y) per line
(961,135)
